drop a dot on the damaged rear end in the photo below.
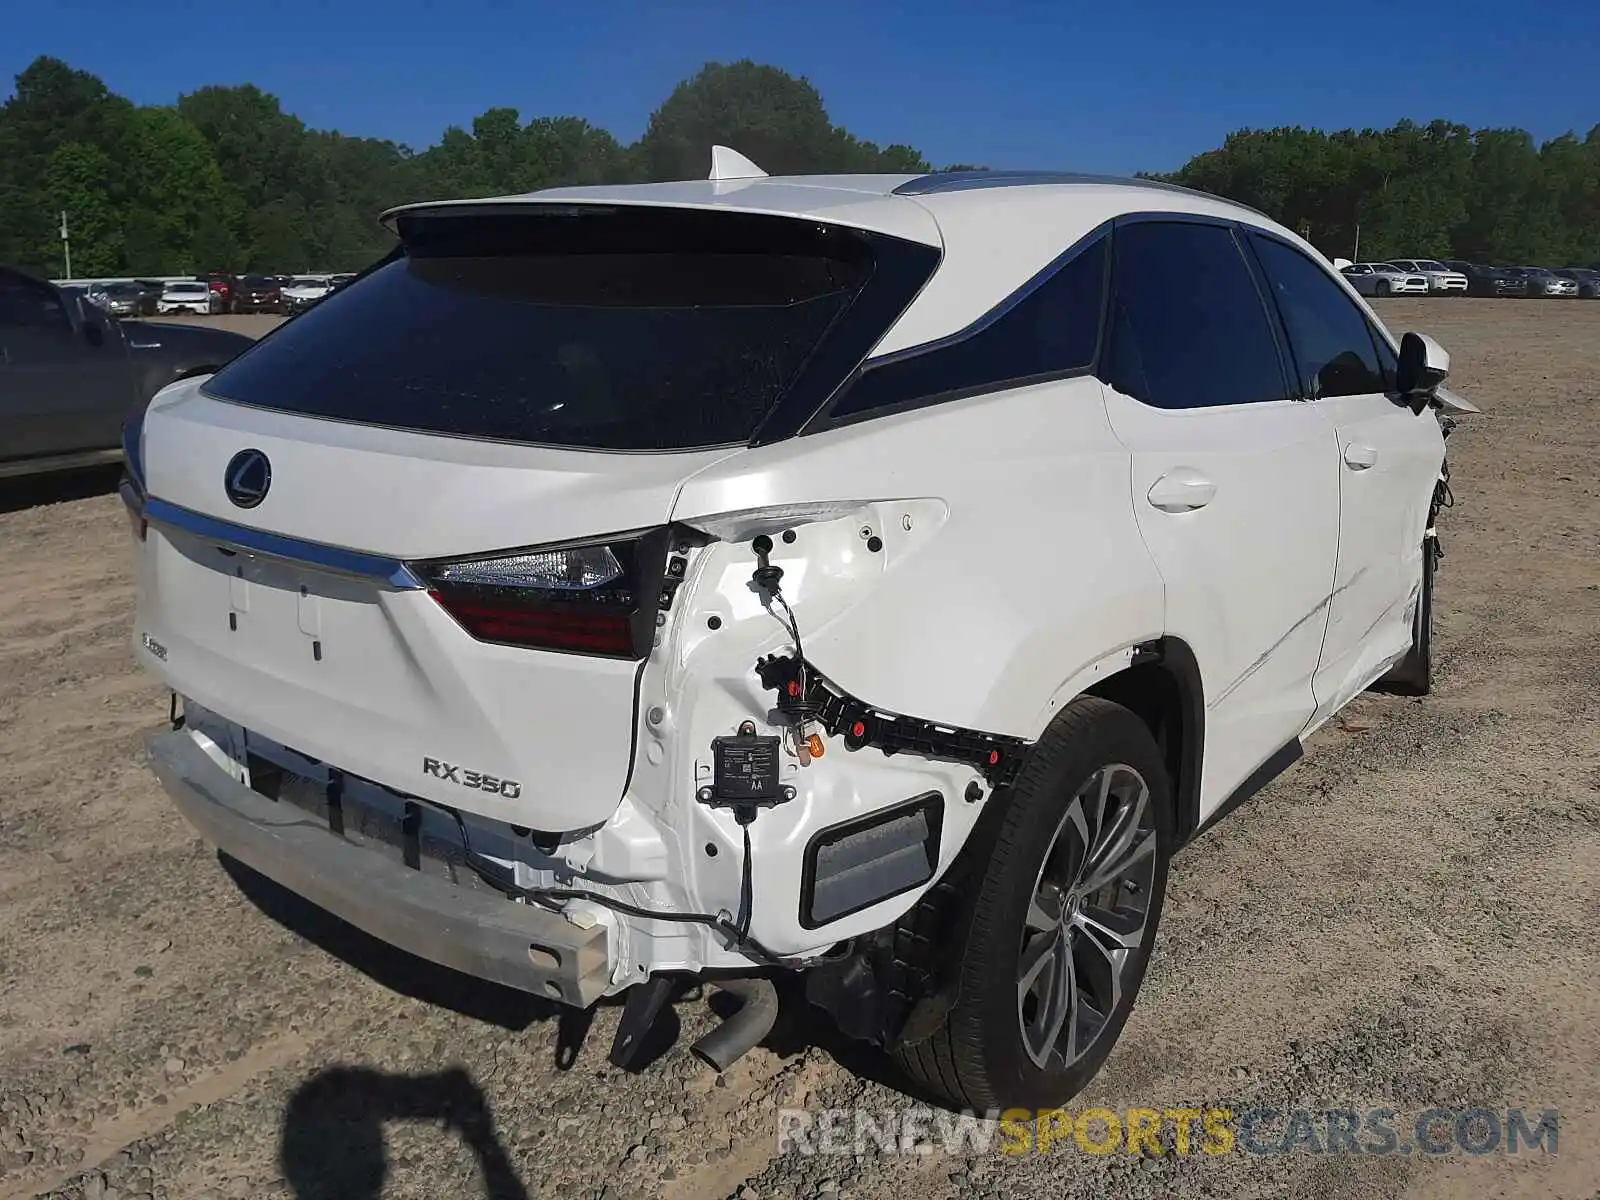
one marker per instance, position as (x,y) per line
(452,662)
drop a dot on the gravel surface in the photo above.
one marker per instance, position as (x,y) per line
(1404,919)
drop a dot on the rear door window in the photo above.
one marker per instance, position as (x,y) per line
(27,303)
(1329,336)
(1188,327)
(602,328)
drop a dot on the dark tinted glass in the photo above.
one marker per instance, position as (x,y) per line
(608,329)
(26,302)
(1188,328)
(1052,331)
(1328,335)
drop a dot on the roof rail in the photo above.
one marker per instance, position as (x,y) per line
(960,181)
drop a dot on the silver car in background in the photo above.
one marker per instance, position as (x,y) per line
(301,293)
(1543,283)
(1440,277)
(1383,279)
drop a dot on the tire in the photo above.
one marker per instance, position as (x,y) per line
(979,1056)
(1382,288)
(1413,674)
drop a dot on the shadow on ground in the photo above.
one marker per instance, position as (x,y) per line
(800,1025)
(432,984)
(394,969)
(333,1145)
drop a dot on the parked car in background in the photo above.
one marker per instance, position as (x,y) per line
(335,282)
(1440,277)
(1587,279)
(190,296)
(70,375)
(1383,279)
(222,283)
(301,294)
(1542,283)
(1488,281)
(124,299)
(258,293)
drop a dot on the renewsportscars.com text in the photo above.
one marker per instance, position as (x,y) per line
(1182,1131)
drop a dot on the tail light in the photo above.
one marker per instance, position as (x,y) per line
(592,598)
(131,488)
(133,503)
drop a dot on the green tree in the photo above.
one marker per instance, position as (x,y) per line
(1439,190)
(773,118)
(53,106)
(214,247)
(225,179)
(75,181)
(169,182)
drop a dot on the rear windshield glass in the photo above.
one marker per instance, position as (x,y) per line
(620,329)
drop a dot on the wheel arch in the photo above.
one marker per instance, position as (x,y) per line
(1162,686)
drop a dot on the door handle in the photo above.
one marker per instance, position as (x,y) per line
(1359,457)
(1182,489)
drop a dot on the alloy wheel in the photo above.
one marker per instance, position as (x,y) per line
(1086,917)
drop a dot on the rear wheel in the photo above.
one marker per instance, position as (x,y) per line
(1062,919)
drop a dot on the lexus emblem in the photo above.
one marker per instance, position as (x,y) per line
(247,478)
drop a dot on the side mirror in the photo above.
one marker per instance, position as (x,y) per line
(1422,367)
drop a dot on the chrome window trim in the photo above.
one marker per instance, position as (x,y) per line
(392,572)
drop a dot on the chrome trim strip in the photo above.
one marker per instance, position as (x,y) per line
(390,571)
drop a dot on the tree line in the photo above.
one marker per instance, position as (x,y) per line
(1418,191)
(224,179)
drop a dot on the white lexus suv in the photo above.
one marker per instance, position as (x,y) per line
(871,580)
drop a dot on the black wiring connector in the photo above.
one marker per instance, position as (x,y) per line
(794,696)
(996,757)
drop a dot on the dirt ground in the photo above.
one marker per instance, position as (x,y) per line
(1405,919)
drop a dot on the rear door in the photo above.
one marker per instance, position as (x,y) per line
(1234,483)
(1389,459)
(63,388)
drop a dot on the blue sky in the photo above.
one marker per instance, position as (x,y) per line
(1113,87)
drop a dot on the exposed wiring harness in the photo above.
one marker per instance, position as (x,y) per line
(500,878)
(801,706)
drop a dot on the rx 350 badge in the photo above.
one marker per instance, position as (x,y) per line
(477,781)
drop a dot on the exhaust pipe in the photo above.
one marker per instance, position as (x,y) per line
(738,1035)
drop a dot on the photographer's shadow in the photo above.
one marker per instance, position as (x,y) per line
(333,1144)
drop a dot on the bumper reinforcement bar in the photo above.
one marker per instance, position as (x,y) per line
(478,933)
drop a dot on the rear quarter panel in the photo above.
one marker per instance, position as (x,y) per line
(1036,574)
